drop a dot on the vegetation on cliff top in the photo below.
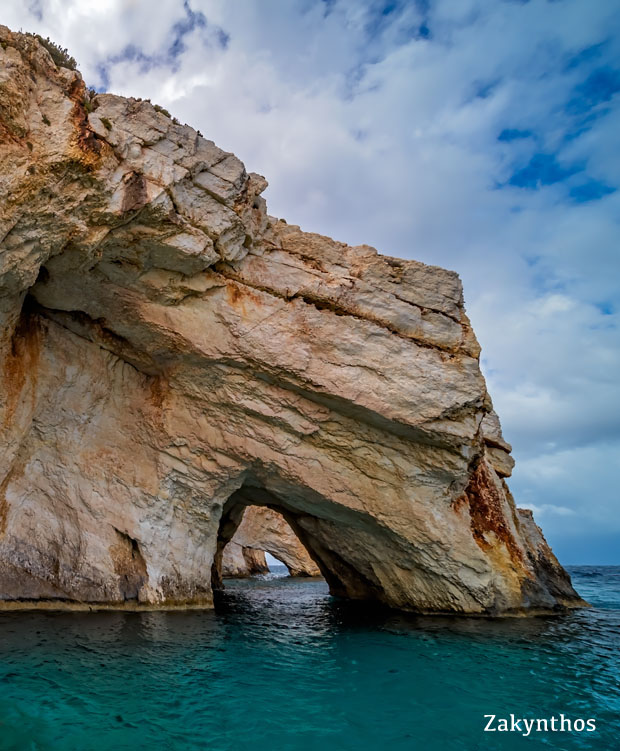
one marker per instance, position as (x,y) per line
(60,55)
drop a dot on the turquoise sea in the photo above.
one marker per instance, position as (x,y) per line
(281,665)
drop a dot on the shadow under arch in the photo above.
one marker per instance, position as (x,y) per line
(323,528)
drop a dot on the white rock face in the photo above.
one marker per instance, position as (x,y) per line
(240,561)
(264,530)
(170,354)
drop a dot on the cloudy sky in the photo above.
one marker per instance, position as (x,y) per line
(472,134)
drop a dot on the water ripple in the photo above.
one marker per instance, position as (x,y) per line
(281,665)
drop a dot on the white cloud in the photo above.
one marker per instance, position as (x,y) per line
(548,509)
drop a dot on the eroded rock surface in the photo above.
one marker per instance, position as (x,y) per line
(239,561)
(263,529)
(170,354)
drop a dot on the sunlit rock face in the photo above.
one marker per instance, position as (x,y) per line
(240,561)
(263,529)
(170,354)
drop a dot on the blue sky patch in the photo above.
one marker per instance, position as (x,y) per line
(592,190)
(180,29)
(513,134)
(542,169)
(388,8)
(586,55)
(600,86)
(606,308)
(381,18)
(585,122)
(484,89)
(104,77)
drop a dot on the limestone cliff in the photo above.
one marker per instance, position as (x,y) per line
(263,529)
(170,354)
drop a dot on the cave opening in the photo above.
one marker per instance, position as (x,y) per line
(275,565)
(265,543)
(316,530)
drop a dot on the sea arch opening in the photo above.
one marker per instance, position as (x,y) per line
(334,538)
(264,533)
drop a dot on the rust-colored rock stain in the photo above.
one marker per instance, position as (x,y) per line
(239,295)
(21,362)
(87,140)
(486,511)
(4,506)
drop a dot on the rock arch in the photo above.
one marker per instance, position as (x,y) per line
(241,561)
(263,530)
(168,349)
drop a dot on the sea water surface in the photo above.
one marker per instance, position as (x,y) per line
(281,665)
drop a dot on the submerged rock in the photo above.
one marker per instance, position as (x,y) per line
(264,530)
(170,354)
